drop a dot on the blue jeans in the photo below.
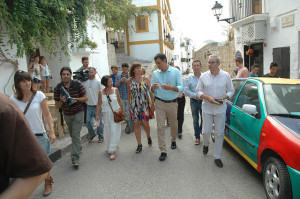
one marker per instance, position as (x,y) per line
(90,119)
(196,107)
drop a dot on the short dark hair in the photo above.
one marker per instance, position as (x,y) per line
(105,79)
(67,68)
(125,65)
(93,68)
(84,58)
(20,75)
(133,66)
(196,61)
(114,66)
(273,64)
(239,59)
(254,66)
(161,56)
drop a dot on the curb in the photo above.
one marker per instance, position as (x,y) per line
(57,153)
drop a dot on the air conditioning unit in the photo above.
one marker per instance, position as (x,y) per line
(274,23)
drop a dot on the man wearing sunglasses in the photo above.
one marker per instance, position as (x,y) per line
(214,86)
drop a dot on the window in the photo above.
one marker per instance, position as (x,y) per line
(236,85)
(141,24)
(249,95)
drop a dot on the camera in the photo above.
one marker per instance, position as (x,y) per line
(81,76)
(69,100)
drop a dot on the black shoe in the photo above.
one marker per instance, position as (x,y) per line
(173,145)
(139,149)
(219,163)
(205,149)
(149,141)
(162,156)
(179,136)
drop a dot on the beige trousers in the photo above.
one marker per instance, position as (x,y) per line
(166,110)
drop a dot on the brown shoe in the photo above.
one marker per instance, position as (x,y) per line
(197,142)
(91,138)
(48,186)
(100,140)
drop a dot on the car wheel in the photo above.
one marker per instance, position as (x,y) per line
(276,179)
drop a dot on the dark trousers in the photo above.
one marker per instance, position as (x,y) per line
(180,113)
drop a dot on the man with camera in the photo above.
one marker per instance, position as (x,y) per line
(82,74)
(70,96)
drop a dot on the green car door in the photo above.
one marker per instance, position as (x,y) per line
(245,128)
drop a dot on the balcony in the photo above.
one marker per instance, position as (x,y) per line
(253,28)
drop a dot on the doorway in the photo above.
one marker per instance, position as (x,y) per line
(282,57)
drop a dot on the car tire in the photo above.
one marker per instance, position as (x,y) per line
(276,179)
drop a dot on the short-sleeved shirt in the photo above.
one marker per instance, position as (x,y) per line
(173,77)
(76,90)
(250,75)
(92,88)
(34,112)
(123,86)
(114,78)
(21,155)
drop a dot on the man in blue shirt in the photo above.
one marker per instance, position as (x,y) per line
(114,75)
(166,84)
(122,86)
(254,70)
(196,104)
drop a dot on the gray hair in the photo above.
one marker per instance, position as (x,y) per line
(217,58)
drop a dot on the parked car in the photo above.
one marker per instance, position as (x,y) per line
(263,125)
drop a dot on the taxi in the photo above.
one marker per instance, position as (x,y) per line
(263,125)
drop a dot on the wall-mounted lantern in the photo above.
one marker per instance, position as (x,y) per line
(217,11)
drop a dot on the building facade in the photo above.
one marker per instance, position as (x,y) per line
(268,31)
(148,35)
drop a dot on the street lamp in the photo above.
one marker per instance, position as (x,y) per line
(217,11)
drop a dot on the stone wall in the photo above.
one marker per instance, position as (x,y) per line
(111,55)
(225,50)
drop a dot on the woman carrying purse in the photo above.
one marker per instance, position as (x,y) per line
(109,100)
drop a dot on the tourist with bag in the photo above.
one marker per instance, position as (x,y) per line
(34,105)
(110,102)
(140,103)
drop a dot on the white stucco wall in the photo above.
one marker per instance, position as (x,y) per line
(279,37)
(144,51)
(140,3)
(153,33)
(283,37)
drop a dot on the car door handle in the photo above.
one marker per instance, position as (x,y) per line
(232,114)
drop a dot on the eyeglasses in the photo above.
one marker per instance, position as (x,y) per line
(211,62)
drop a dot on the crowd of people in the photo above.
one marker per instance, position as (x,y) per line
(94,100)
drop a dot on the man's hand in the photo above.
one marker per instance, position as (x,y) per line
(154,86)
(166,86)
(63,99)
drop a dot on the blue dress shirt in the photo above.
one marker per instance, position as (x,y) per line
(173,77)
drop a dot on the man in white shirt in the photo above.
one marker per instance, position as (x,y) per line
(213,87)
(92,87)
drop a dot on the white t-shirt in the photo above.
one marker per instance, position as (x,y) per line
(34,112)
(92,88)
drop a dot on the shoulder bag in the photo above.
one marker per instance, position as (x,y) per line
(29,102)
(119,115)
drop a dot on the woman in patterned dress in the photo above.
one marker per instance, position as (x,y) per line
(140,102)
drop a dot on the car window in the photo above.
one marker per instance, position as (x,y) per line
(249,95)
(237,84)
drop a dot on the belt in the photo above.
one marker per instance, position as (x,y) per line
(39,134)
(92,105)
(166,101)
(195,100)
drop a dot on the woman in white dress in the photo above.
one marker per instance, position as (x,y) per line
(38,107)
(112,130)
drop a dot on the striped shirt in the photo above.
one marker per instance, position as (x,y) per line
(76,90)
